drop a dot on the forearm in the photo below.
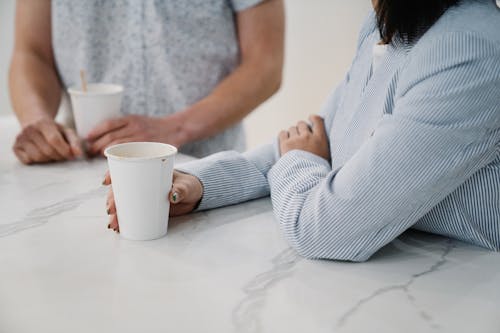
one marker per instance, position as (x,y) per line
(261,41)
(234,98)
(34,87)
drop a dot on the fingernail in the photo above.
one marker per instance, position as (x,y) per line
(174,196)
(109,226)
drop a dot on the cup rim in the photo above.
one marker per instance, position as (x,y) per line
(76,90)
(109,154)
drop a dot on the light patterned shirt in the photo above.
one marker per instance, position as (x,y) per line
(415,143)
(168,54)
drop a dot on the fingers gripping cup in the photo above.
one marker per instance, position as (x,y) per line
(141,175)
(100,102)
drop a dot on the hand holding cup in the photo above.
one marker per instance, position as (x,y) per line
(184,196)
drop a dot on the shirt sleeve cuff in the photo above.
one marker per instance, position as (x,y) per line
(212,190)
(240,5)
(295,155)
(293,165)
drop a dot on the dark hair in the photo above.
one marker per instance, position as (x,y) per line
(406,21)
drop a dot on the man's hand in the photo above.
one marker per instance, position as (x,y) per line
(46,141)
(134,128)
(303,137)
(184,196)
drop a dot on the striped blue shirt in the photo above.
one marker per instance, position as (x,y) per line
(415,143)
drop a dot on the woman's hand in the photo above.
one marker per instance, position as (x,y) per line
(134,128)
(184,196)
(312,139)
(44,140)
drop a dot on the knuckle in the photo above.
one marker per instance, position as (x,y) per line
(16,152)
(47,150)
(29,129)
(19,138)
(53,139)
(36,156)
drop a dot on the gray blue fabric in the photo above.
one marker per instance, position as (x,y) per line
(167,53)
(415,144)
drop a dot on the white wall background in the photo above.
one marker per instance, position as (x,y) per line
(320,43)
(6,44)
(321,38)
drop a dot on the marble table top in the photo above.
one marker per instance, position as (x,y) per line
(226,270)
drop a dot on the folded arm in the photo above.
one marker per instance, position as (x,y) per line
(445,126)
(229,177)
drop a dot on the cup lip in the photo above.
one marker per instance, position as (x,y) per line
(76,90)
(110,155)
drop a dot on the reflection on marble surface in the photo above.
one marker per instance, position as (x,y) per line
(226,270)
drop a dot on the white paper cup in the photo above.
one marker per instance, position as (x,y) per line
(141,175)
(101,102)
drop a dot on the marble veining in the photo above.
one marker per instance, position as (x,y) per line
(41,215)
(403,287)
(246,315)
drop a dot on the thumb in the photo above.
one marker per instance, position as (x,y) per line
(318,125)
(177,193)
(73,140)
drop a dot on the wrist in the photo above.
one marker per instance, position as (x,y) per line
(172,129)
(199,121)
(33,117)
(186,129)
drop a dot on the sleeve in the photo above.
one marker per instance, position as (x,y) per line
(230,178)
(445,126)
(240,5)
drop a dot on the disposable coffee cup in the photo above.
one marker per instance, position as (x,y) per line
(141,176)
(99,103)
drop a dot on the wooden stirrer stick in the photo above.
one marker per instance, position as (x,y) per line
(84,81)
